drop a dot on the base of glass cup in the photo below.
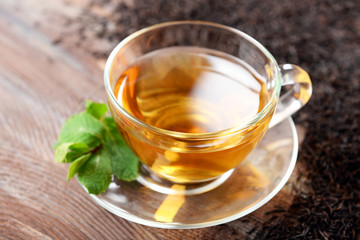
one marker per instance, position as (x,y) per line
(165,186)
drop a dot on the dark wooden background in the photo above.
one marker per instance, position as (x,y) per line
(52,55)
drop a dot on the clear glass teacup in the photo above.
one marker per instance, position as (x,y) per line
(192,99)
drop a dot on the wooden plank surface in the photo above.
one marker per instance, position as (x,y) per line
(41,84)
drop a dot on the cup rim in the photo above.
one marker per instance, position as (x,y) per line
(240,127)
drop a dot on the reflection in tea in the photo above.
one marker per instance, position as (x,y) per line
(195,91)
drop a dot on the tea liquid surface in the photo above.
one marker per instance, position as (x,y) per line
(190,90)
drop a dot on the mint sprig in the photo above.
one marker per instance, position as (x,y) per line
(93,146)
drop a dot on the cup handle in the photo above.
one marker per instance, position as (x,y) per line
(295,96)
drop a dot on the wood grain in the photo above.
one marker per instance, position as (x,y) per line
(41,84)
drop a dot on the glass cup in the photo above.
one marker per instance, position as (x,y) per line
(201,161)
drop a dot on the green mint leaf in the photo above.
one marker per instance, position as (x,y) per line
(82,128)
(68,152)
(61,151)
(95,149)
(77,150)
(95,173)
(76,165)
(125,164)
(97,110)
(79,147)
(55,145)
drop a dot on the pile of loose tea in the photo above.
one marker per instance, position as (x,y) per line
(321,36)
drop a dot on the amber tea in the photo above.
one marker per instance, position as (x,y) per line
(191,91)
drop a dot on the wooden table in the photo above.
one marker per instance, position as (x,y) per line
(46,70)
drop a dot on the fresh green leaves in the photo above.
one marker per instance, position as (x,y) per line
(95,174)
(76,165)
(82,128)
(96,109)
(69,151)
(92,144)
(127,165)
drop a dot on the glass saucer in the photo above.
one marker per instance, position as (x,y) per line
(252,184)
